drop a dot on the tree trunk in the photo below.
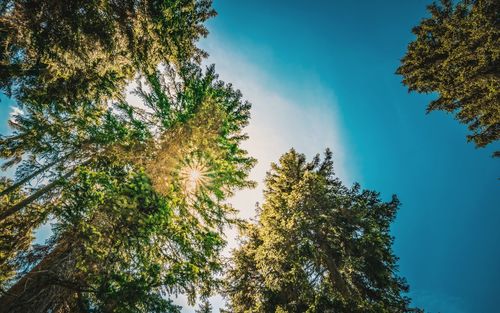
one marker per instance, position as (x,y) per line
(334,274)
(40,192)
(29,177)
(39,290)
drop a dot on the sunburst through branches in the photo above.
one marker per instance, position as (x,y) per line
(195,175)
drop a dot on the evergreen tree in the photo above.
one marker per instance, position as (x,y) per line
(16,233)
(317,246)
(456,54)
(143,219)
(58,52)
(205,307)
(136,194)
(64,62)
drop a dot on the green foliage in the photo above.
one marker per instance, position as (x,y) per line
(456,54)
(16,235)
(64,63)
(60,51)
(317,246)
(205,307)
(128,234)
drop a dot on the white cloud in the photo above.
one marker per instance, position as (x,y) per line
(280,121)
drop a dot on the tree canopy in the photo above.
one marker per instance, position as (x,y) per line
(59,52)
(135,191)
(142,217)
(456,54)
(317,246)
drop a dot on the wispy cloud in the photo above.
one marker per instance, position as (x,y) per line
(309,123)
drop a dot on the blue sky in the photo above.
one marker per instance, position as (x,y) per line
(321,74)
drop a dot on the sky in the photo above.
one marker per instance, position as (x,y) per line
(321,74)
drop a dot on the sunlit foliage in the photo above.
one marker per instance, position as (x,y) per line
(317,246)
(105,172)
(456,54)
(122,240)
(58,52)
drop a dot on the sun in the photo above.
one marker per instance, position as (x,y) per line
(194,175)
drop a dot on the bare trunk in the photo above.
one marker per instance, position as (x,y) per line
(39,290)
(29,177)
(33,197)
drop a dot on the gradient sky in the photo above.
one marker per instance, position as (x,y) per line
(321,74)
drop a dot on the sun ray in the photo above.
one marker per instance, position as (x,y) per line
(195,176)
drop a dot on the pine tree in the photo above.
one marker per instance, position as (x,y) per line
(64,62)
(143,219)
(317,246)
(16,233)
(205,307)
(456,54)
(136,195)
(65,51)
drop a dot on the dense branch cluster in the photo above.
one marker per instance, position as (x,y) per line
(103,171)
(456,54)
(135,189)
(317,246)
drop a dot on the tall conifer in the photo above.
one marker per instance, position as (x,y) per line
(317,246)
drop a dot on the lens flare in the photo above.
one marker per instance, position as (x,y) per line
(195,175)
